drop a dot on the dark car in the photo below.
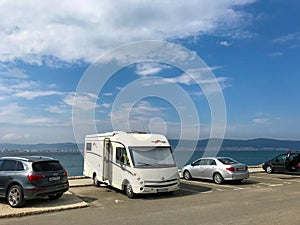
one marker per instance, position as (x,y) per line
(286,162)
(24,178)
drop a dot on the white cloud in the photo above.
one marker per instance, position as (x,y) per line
(225,43)
(108,94)
(10,137)
(193,77)
(81,101)
(276,54)
(145,69)
(198,76)
(288,37)
(15,115)
(12,72)
(261,120)
(139,115)
(12,111)
(57,109)
(34,94)
(53,31)
(106,105)
(41,121)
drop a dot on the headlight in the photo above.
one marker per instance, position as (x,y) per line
(140,180)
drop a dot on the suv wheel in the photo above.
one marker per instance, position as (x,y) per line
(55,196)
(15,196)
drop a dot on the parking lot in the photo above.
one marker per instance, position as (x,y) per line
(263,199)
(256,181)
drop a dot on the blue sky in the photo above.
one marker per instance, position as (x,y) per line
(251,47)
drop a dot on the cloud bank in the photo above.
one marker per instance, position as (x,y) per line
(51,32)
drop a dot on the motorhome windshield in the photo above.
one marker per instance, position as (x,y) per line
(145,157)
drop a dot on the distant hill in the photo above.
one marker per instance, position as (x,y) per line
(263,143)
(260,143)
(39,147)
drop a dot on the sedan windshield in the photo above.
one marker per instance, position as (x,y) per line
(152,157)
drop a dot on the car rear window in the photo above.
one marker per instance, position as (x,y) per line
(227,161)
(46,166)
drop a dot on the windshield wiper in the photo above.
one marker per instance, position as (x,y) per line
(143,164)
(164,165)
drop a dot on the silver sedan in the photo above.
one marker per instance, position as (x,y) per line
(217,169)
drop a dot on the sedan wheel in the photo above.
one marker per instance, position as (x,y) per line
(187,175)
(269,169)
(15,196)
(218,179)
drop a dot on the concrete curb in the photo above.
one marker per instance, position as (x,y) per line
(81,181)
(39,206)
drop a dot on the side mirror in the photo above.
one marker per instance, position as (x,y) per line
(192,164)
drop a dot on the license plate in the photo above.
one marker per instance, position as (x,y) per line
(54,178)
(162,190)
(241,169)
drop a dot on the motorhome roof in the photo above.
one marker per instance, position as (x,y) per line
(114,133)
(134,138)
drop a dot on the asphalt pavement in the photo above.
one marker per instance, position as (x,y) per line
(68,201)
(262,199)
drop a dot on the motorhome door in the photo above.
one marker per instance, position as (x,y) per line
(107,152)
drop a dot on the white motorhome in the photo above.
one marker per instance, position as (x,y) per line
(135,162)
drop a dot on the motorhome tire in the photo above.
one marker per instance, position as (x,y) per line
(95,181)
(129,191)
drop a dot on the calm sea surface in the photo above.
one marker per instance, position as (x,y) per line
(73,161)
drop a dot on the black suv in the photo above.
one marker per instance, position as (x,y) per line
(286,162)
(23,178)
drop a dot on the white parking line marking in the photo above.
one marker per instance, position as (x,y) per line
(212,184)
(269,178)
(201,182)
(287,182)
(237,189)
(220,189)
(276,185)
(205,192)
(266,184)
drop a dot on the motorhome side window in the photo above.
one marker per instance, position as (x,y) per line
(89,146)
(121,156)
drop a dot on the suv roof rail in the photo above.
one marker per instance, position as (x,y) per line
(27,159)
(14,157)
(40,157)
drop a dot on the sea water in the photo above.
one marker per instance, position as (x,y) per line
(73,161)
